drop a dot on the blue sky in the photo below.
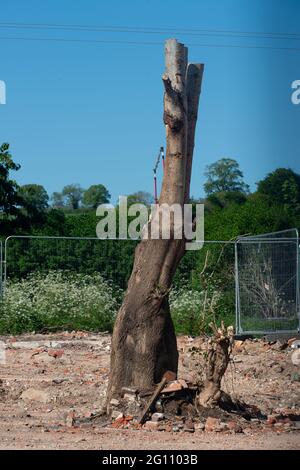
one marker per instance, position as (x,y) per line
(87,113)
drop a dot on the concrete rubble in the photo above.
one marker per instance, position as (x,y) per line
(57,382)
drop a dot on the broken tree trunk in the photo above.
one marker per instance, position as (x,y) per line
(144,343)
(218,356)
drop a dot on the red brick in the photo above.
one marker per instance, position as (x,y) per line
(212,424)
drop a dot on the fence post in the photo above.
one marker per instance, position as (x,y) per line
(4,263)
(237,305)
(298,280)
(1,271)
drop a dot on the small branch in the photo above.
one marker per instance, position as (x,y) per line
(152,399)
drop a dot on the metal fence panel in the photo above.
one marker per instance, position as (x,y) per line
(266,271)
(27,254)
(267,283)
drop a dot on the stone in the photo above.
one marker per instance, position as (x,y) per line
(34,345)
(295,377)
(234,426)
(32,394)
(114,402)
(183,383)
(59,381)
(212,424)
(157,417)
(238,345)
(175,429)
(271,420)
(189,426)
(188,378)
(129,391)
(222,427)
(295,357)
(172,387)
(133,407)
(129,397)
(158,406)
(56,353)
(37,351)
(116,415)
(287,425)
(169,376)
(151,425)
(43,357)
(199,426)
(70,419)
(278,425)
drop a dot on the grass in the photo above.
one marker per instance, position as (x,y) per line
(269,325)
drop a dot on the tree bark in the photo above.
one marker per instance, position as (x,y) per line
(144,343)
(218,357)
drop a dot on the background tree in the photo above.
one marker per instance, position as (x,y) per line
(57,200)
(35,197)
(140,197)
(35,202)
(224,199)
(94,196)
(282,186)
(73,195)
(10,199)
(224,175)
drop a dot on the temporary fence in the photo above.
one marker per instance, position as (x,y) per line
(267,283)
(259,274)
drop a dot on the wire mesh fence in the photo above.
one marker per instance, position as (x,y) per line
(203,287)
(254,279)
(26,254)
(267,283)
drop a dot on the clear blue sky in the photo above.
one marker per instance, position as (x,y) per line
(92,112)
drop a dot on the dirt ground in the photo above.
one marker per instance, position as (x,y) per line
(51,386)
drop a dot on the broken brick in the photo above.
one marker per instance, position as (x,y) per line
(151,425)
(183,383)
(57,353)
(169,376)
(212,424)
(157,416)
(172,387)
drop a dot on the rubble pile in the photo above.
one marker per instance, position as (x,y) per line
(175,410)
(57,383)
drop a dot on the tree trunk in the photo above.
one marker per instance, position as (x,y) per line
(218,357)
(144,343)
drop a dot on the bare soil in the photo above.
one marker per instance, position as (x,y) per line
(65,377)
